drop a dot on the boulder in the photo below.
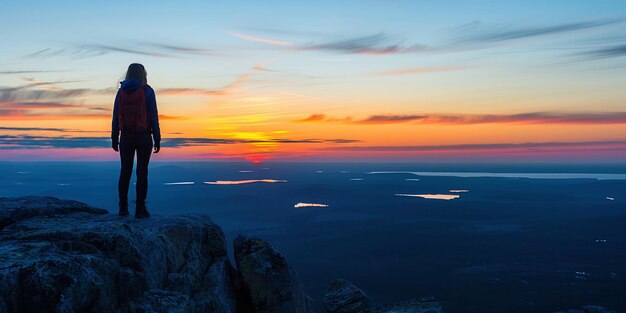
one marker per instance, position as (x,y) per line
(344,297)
(271,283)
(65,256)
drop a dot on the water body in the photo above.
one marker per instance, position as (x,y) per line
(520,241)
(245,181)
(306,205)
(513,175)
(437,196)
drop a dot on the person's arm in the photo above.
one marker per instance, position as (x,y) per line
(154,119)
(115,129)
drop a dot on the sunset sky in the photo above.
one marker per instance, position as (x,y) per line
(321,80)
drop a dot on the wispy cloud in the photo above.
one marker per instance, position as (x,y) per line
(486,146)
(153,49)
(25,115)
(51,129)
(313,118)
(35,105)
(29,72)
(260,39)
(43,142)
(75,53)
(190,91)
(182,49)
(286,31)
(377,44)
(484,33)
(107,48)
(417,70)
(462,119)
(466,37)
(607,52)
(40,100)
(387,119)
(47,91)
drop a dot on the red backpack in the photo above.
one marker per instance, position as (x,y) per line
(133,111)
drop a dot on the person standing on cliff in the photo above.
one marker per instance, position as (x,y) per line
(135,115)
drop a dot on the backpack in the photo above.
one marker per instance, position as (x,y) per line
(133,111)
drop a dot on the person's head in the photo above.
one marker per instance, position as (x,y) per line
(138,72)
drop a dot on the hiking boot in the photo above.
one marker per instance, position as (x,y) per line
(141,211)
(123,208)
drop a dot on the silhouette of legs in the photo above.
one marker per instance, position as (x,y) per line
(127,155)
(144,150)
(142,143)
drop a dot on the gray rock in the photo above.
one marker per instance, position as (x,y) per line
(13,210)
(272,284)
(344,297)
(64,256)
(162,301)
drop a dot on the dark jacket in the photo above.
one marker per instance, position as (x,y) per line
(131,85)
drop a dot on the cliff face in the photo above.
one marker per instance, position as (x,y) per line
(64,256)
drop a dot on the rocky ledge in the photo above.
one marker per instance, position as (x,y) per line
(66,256)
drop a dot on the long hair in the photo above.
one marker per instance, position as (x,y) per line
(138,72)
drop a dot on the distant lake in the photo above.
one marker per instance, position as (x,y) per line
(514,175)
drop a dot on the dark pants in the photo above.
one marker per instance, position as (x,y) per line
(142,143)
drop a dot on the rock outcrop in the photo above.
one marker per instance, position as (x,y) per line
(65,256)
(344,297)
(271,283)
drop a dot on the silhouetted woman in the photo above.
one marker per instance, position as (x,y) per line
(135,115)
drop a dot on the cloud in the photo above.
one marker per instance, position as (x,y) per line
(283,31)
(468,119)
(64,130)
(34,105)
(25,115)
(66,115)
(107,49)
(206,92)
(260,39)
(486,146)
(313,118)
(49,91)
(29,72)
(190,91)
(466,37)
(154,49)
(481,33)
(33,129)
(378,44)
(416,70)
(386,119)
(43,142)
(181,49)
(76,53)
(609,52)
(32,102)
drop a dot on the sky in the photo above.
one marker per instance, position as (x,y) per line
(475,81)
